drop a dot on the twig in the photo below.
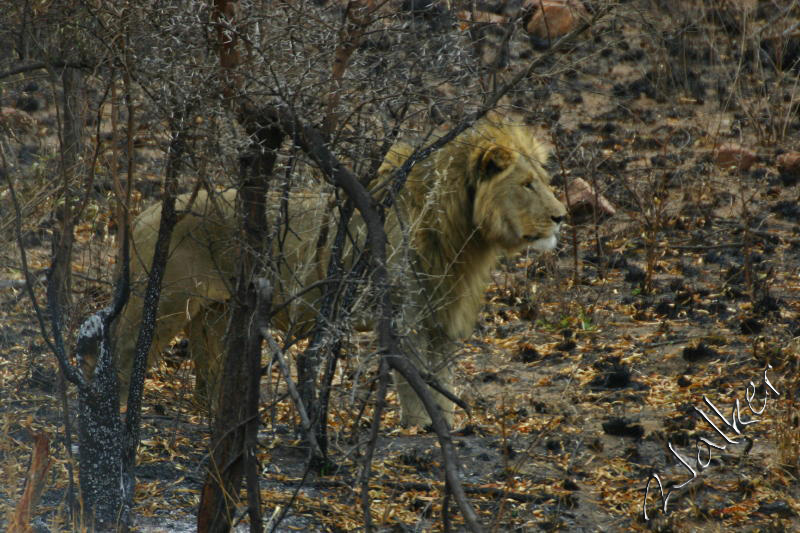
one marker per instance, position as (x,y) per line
(312,142)
(305,422)
(41,65)
(446,508)
(433,383)
(380,404)
(705,247)
(66,371)
(665,343)
(404,367)
(34,485)
(273,525)
(398,177)
(55,347)
(356,19)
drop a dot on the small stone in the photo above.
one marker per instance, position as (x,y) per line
(487,17)
(622,427)
(734,155)
(15,121)
(693,354)
(789,164)
(751,326)
(581,198)
(551,19)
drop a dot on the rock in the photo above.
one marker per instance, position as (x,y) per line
(29,104)
(488,17)
(551,19)
(14,122)
(693,354)
(734,155)
(583,200)
(789,167)
(622,427)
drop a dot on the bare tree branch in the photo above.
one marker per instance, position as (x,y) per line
(305,421)
(398,177)
(312,142)
(44,65)
(54,342)
(380,405)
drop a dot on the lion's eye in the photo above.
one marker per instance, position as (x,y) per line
(529,185)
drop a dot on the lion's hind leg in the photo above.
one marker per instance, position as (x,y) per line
(206,331)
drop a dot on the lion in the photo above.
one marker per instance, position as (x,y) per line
(483,195)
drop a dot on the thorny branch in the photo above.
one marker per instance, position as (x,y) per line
(380,404)
(305,421)
(397,179)
(312,142)
(55,343)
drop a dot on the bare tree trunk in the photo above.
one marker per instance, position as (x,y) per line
(107,449)
(235,428)
(236,421)
(72,123)
(326,347)
(100,450)
(152,295)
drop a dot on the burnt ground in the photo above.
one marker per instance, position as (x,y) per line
(586,365)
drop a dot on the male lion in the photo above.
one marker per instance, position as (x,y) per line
(482,195)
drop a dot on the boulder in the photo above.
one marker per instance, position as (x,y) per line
(734,155)
(551,19)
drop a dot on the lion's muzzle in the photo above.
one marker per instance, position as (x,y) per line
(548,241)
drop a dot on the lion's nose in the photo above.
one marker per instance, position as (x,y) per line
(558,220)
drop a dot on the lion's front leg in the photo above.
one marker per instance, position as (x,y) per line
(169,322)
(412,410)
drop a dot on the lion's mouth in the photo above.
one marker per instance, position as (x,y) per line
(542,243)
(533,237)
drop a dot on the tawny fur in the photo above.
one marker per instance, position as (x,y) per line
(483,195)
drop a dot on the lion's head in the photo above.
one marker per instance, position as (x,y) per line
(513,205)
(487,189)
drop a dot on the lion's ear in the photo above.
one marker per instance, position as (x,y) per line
(494,160)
